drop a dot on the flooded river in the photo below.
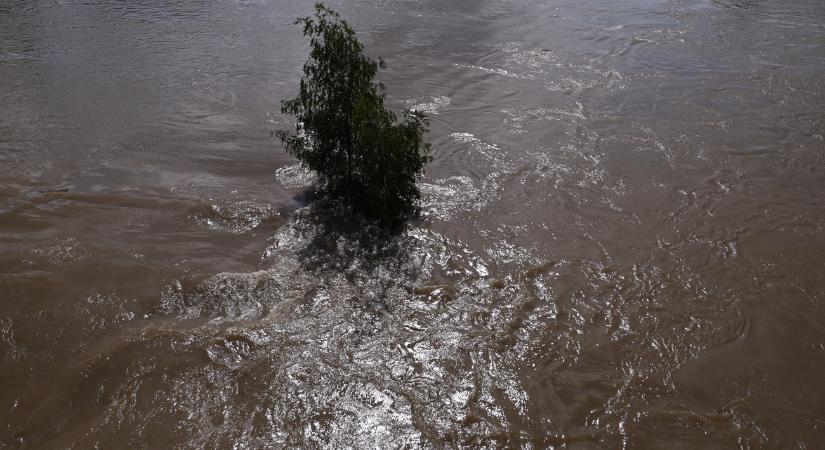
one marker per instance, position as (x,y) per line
(621,245)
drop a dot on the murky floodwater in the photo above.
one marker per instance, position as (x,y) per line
(622,241)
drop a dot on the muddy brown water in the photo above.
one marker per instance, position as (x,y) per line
(622,242)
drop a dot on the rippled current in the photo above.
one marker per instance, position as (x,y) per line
(622,239)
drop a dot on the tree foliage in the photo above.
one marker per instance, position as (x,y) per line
(359,149)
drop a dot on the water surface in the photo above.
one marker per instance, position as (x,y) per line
(620,245)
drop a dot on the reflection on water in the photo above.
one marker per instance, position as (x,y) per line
(620,243)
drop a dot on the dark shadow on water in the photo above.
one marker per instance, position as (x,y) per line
(365,251)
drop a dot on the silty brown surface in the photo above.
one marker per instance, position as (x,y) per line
(621,242)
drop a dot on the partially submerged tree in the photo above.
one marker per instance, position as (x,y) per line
(359,149)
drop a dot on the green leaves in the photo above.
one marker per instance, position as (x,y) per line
(359,149)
